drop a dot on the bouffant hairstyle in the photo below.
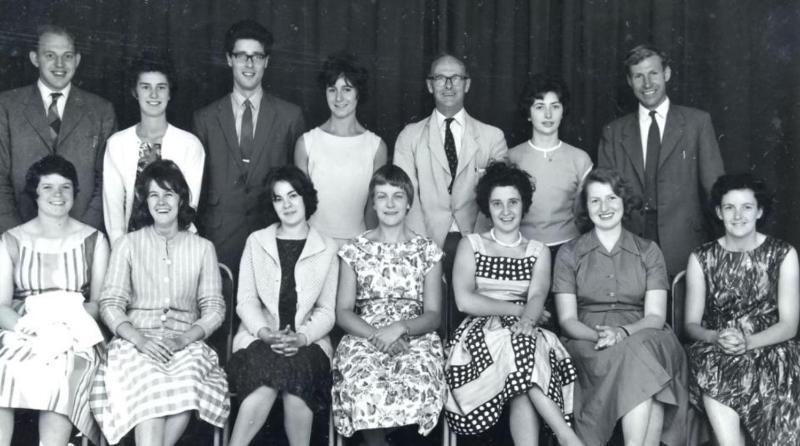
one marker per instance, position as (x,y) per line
(346,65)
(630,201)
(152,63)
(642,52)
(299,181)
(50,164)
(499,174)
(395,176)
(168,176)
(248,29)
(538,86)
(744,181)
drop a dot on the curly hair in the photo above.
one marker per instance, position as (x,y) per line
(48,165)
(743,181)
(346,65)
(500,174)
(299,181)
(152,63)
(538,86)
(168,176)
(630,201)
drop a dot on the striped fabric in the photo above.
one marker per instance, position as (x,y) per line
(63,384)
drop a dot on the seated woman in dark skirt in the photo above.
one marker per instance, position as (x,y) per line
(286,299)
(611,295)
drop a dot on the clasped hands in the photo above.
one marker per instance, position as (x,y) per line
(162,349)
(283,342)
(391,339)
(608,336)
(731,341)
(526,326)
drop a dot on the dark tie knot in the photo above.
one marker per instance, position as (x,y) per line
(248,104)
(449,121)
(54,96)
(653,115)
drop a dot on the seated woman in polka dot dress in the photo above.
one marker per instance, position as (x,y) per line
(499,354)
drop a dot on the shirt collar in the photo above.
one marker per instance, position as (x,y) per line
(589,242)
(45,91)
(459,117)
(661,111)
(255,99)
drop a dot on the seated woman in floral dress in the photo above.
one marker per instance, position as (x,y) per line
(500,354)
(286,300)
(742,311)
(51,273)
(162,297)
(388,368)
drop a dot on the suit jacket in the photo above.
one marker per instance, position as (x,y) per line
(419,151)
(25,138)
(316,274)
(232,203)
(688,165)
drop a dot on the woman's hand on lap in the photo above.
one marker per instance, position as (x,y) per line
(384,337)
(154,348)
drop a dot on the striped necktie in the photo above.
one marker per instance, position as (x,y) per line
(53,119)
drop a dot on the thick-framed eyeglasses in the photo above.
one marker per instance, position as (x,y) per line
(441,80)
(242,57)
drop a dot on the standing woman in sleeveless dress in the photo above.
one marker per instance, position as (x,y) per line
(500,354)
(340,155)
(51,252)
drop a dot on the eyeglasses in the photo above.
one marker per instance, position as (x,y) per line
(242,57)
(441,80)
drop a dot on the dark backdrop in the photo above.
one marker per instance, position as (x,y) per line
(736,59)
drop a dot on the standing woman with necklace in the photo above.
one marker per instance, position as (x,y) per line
(341,154)
(129,151)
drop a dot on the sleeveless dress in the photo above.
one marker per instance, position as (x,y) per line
(63,382)
(306,374)
(488,365)
(340,168)
(372,389)
(762,385)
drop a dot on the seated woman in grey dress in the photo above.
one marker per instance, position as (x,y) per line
(611,296)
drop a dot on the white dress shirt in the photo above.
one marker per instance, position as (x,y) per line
(47,99)
(644,124)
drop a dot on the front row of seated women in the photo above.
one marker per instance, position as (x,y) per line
(616,361)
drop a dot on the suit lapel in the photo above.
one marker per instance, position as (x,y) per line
(632,144)
(34,113)
(469,143)
(264,124)
(228,125)
(436,145)
(673,132)
(73,113)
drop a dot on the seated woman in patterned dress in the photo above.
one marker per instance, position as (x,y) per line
(162,296)
(742,311)
(286,300)
(51,271)
(500,355)
(611,297)
(388,368)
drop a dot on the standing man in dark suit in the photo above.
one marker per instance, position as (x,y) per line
(53,116)
(669,155)
(244,134)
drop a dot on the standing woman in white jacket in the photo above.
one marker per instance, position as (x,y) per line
(129,151)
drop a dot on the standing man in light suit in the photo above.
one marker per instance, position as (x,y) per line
(669,155)
(53,116)
(244,133)
(444,155)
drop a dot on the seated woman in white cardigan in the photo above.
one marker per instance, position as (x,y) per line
(129,151)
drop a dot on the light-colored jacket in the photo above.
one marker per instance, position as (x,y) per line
(316,275)
(419,151)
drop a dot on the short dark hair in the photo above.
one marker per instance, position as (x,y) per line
(58,30)
(248,29)
(445,54)
(500,174)
(395,176)
(48,165)
(630,201)
(152,63)
(539,85)
(744,181)
(168,176)
(642,52)
(344,64)
(299,181)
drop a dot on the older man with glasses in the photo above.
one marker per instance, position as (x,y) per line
(444,155)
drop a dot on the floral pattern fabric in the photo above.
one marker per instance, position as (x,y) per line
(762,385)
(372,389)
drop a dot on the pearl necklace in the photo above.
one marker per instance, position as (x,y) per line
(513,244)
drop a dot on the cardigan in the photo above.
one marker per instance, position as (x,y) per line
(316,276)
(119,172)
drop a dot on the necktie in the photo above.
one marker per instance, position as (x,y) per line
(246,131)
(450,152)
(651,178)
(53,120)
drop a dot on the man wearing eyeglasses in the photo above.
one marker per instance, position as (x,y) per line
(244,134)
(53,116)
(445,155)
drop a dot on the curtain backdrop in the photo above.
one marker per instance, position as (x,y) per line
(736,59)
